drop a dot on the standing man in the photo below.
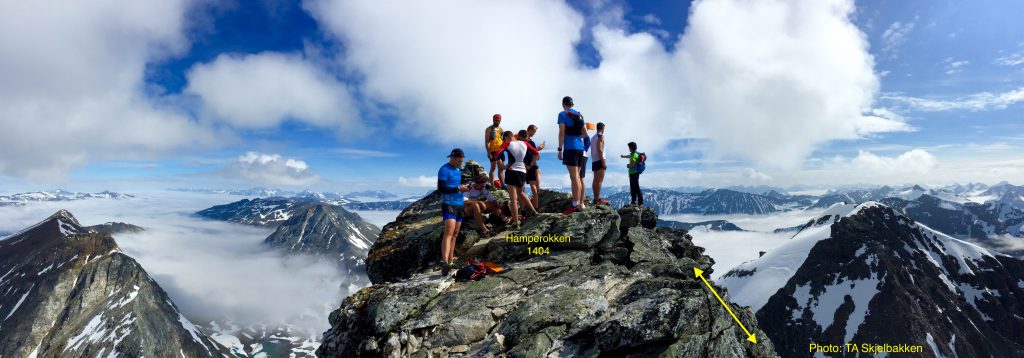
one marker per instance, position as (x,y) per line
(533,170)
(599,165)
(635,195)
(586,157)
(449,183)
(492,145)
(570,149)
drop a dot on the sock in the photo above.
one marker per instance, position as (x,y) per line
(575,203)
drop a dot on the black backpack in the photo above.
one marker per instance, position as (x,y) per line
(578,124)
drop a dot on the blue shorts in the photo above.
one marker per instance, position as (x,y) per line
(453,212)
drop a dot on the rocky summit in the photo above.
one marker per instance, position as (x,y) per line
(613,284)
(68,291)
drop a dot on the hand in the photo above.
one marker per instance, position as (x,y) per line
(559,155)
(464,187)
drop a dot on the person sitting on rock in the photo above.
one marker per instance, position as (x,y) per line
(449,180)
(480,201)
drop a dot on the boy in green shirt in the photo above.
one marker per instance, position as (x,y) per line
(635,195)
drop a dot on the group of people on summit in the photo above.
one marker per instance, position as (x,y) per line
(515,156)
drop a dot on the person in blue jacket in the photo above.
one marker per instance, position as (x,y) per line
(449,183)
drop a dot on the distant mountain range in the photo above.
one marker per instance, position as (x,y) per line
(869,273)
(703,226)
(68,291)
(58,195)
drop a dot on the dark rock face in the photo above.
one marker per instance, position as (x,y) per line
(619,287)
(327,230)
(876,276)
(116,228)
(67,291)
(268,212)
(708,202)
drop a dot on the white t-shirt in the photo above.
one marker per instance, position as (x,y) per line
(482,194)
(593,147)
(516,155)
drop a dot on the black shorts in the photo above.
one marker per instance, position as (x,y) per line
(454,212)
(495,157)
(531,174)
(572,157)
(598,165)
(515,178)
(583,167)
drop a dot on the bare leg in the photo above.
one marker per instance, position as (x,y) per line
(535,188)
(501,173)
(448,240)
(490,175)
(514,204)
(473,208)
(574,177)
(451,245)
(598,181)
(526,200)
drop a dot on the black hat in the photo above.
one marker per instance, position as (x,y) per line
(457,152)
(567,101)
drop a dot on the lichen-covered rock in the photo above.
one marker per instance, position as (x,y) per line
(618,287)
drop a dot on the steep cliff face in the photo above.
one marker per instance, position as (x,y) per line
(618,287)
(68,291)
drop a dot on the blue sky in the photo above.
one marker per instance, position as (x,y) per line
(911,91)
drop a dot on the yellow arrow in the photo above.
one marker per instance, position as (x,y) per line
(699,273)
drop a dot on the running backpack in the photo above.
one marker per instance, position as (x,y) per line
(641,163)
(577,124)
(474,270)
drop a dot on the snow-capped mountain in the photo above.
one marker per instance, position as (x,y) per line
(259,211)
(261,341)
(703,226)
(375,194)
(965,220)
(68,291)
(711,201)
(259,192)
(116,228)
(327,230)
(868,273)
(61,195)
(394,205)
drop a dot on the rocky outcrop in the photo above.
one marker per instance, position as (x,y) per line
(620,286)
(116,228)
(68,291)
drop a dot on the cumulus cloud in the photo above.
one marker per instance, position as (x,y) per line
(782,79)
(755,176)
(273,169)
(982,101)
(421,181)
(261,91)
(72,88)
(916,161)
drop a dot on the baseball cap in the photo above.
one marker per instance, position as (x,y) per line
(496,117)
(457,152)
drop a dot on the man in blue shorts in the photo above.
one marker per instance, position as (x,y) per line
(449,183)
(571,130)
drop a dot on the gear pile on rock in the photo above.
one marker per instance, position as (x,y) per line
(619,287)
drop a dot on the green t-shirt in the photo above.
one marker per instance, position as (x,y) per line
(634,159)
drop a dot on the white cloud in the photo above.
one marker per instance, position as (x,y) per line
(72,88)
(260,91)
(273,169)
(975,102)
(365,153)
(651,19)
(917,161)
(755,176)
(954,66)
(1011,59)
(781,80)
(421,181)
(896,35)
